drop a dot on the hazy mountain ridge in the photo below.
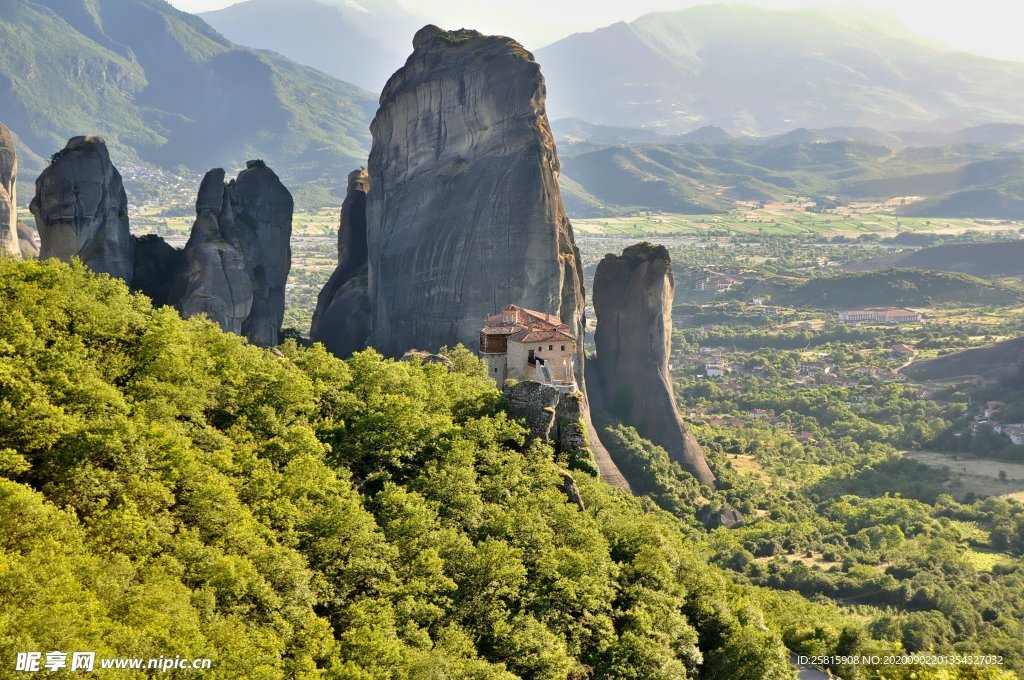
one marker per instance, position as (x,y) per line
(763,72)
(360,43)
(164,87)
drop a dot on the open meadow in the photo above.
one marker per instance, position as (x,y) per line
(787,219)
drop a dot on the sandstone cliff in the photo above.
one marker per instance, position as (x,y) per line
(465,215)
(238,255)
(342,317)
(633,302)
(81,209)
(8,195)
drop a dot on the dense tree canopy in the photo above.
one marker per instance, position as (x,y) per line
(166,488)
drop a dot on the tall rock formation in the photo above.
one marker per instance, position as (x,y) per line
(8,196)
(465,215)
(233,268)
(633,296)
(238,255)
(81,209)
(342,317)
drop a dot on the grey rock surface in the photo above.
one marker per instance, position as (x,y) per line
(465,215)
(572,490)
(28,242)
(342,317)
(633,295)
(157,269)
(415,355)
(81,209)
(8,194)
(551,416)
(217,278)
(238,255)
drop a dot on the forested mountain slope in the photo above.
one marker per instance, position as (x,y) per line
(166,486)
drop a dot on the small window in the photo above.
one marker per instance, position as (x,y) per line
(551,347)
(563,348)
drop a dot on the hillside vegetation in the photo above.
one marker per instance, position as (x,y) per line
(165,486)
(164,87)
(958,180)
(1002,258)
(898,287)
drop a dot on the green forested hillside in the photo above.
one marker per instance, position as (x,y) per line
(955,180)
(898,287)
(166,488)
(164,87)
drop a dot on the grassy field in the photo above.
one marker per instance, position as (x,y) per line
(977,475)
(322,222)
(781,219)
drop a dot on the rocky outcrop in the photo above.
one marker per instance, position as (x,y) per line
(8,194)
(465,215)
(551,416)
(572,490)
(81,209)
(719,517)
(342,317)
(415,355)
(238,255)
(28,245)
(233,268)
(633,302)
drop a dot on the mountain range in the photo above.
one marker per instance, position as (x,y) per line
(763,72)
(163,87)
(358,42)
(657,113)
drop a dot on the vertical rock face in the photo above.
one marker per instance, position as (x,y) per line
(81,209)
(27,242)
(465,215)
(8,197)
(633,302)
(342,317)
(238,255)
(233,268)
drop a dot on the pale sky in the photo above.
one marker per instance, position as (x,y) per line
(988,27)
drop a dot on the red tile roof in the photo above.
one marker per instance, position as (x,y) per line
(527,325)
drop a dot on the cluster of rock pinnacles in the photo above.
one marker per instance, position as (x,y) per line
(457,215)
(233,268)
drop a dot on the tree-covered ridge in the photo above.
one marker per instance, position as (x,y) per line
(166,488)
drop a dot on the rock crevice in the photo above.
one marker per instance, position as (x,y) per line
(342,317)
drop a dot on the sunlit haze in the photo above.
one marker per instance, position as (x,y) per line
(987,27)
